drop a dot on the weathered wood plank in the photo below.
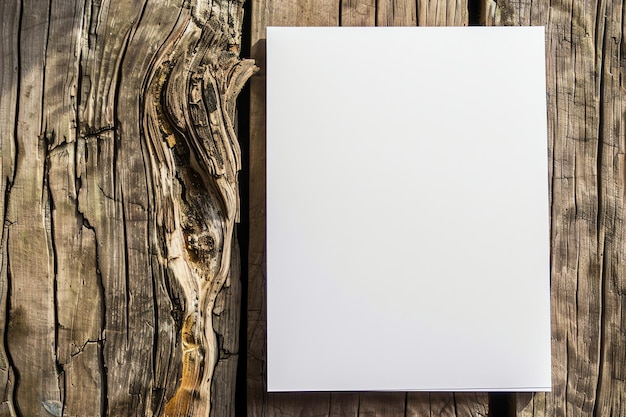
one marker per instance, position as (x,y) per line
(119,200)
(373,404)
(30,332)
(9,48)
(442,13)
(226,321)
(283,404)
(586,107)
(79,299)
(78,294)
(611,393)
(447,405)
(396,13)
(344,404)
(358,13)
(112,207)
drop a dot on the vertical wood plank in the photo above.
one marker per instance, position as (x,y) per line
(118,212)
(447,404)
(9,48)
(611,393)
(79,301)
(358,13)
(91,306)
(442,13)
(78,293)
(584,43)
(396,13)
(284,404)
(344,404)
(30,332)
(373,404)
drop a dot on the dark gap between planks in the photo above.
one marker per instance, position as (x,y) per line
(243,228)
(474,12)
(502,404)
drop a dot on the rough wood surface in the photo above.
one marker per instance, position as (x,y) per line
(585,68)
(119,267)
(260,403)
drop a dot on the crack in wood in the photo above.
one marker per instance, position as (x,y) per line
(204,158)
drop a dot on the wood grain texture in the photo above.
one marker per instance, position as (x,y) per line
(260,403)
(585,44)
(119,270)
(442,13)
(9,42)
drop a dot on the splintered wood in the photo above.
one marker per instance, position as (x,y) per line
(119,266)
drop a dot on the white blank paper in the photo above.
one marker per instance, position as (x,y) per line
(407,209)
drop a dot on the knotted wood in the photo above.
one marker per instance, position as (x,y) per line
(119,268)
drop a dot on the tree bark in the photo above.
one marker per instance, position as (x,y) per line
(119,264)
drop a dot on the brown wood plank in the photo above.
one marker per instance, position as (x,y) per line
(358,13)
(344,404)
(585,99)
(388,404)
(442,13)
(78,296)
(116,217)
(447,405)
(611,393)
(396,13)
(285,404)
(9,49)
(30,264)
(118,229)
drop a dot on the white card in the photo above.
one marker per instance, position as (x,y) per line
(407,209)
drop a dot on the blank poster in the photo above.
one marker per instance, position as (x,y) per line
(407,209)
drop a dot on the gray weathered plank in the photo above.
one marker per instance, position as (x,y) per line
(30,263)
(9,48)
(358,13)
(442,12)
(118,241)
(396,13)
(584,43)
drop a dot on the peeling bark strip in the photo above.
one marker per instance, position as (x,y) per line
(119,265)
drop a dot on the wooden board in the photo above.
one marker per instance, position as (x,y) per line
(586,138)
(119,268)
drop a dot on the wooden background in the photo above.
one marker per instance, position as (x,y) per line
(113,194)
(586,140)
(119,270)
